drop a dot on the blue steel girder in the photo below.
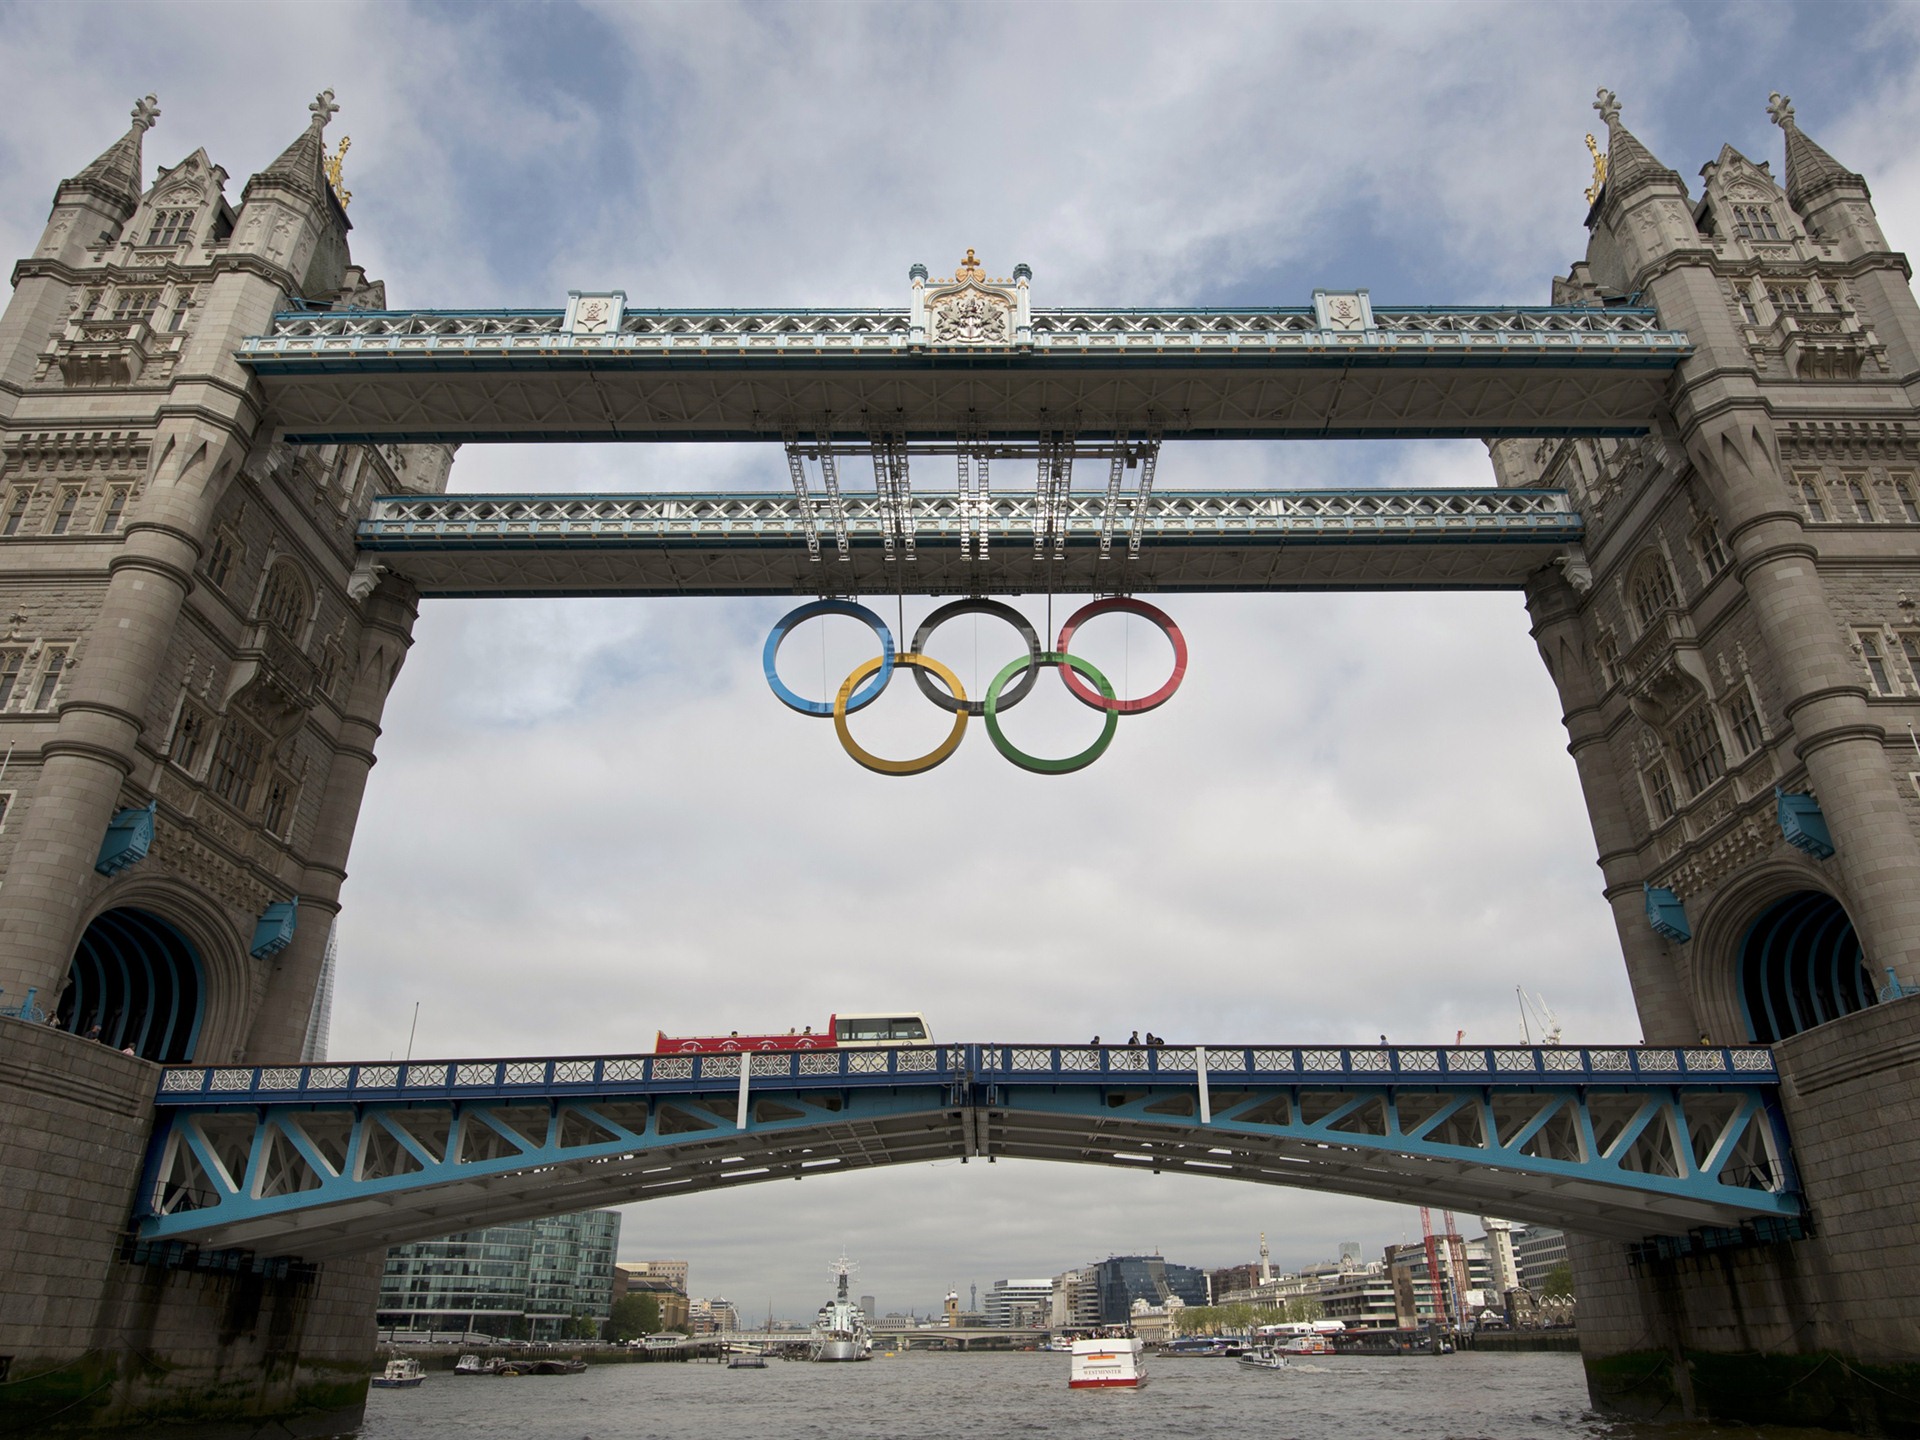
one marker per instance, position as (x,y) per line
(462,376)
(767,543)
(331,1159)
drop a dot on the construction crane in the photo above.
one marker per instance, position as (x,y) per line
(1457,1254)
(1535,1013)
(1433,1267)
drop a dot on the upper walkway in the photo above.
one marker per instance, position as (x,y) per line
(320,1160)
(1334,369)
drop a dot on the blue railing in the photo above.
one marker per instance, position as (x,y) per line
(1330,1066)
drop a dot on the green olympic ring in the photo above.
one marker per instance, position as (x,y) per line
(1034,763)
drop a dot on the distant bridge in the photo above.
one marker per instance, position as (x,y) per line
(319,1160)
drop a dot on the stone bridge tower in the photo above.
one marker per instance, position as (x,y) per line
(191,683)
(185,647)
(1738,658)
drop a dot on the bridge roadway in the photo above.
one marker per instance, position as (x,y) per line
(966,543)
(321,1160)
(1260,373)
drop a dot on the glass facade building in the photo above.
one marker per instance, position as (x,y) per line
(526,1280)
(1120,1280)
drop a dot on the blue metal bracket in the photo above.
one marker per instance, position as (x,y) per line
(129,836)
(273,931)
(1803,824)
(1667,915)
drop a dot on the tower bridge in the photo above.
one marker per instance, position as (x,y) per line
(223,466)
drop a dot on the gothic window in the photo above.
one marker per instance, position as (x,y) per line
(221,555)
(1659,790)
(1746,722)
(1747,311)
(136,304)
(182,312)
(51,669)
(11,663)
(1696,739)
(1755,222)
(16,510)
(1910,647)
(236,762)
(1856,484)
(285,601)
(1652,592)
(1706,540)
(1876,659)
(6,806)
(1812,497)
(1791,298)
(116,510)
(1607,651)
(1903,491)
(278,808)
(63,517)
(189,738)
(171,227)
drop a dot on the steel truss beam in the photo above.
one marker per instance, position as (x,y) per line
(457,376)
(966,542)
(329,1159)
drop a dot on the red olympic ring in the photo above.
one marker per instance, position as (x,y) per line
(1126,605)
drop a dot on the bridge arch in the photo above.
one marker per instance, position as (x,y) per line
(160,970)
(1800,965)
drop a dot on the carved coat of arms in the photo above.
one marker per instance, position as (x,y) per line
(970,308)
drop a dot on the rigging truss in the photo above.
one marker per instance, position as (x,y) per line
(319,1160)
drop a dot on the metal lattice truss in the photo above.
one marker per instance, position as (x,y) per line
(967,541)
(331,1159)
(453,376)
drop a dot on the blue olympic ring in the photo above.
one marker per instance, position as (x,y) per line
(777,637)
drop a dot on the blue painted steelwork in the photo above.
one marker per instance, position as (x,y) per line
(129,836)
(138,978)
(273,931)
(1803,825)
(1801,965)
(1667,915)
(325,1158)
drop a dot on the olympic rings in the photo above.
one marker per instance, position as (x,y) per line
(777,637)
(1033,762)
(976,606)
(934,756)
(1014,682)
(1106,701)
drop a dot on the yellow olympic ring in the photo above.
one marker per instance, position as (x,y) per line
(923,763)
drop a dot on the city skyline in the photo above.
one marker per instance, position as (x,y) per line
(591,822)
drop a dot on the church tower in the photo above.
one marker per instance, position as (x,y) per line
(1737,655)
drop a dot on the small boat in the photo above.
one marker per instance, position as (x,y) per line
(402,1373)
(1106,1362)
(474,1365)
(1264,1358)
(747,1357)
(1309,1343)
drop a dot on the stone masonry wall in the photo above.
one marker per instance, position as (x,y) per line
(94,1342)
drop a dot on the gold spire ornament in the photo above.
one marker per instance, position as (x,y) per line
(1599,171)
(970,268)
(333,163)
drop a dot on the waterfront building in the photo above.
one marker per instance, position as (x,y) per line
(723,1313)
(1156,1324)
(1413,1283)
(674,1272)
(1227,1285)
(1122,1279)
(1021,1304)
(1537,1249)
(633,1279)
(1358,1296)
(532,1278)
(1502,1260)
(1075,1301)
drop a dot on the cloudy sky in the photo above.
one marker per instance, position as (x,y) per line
(591,820)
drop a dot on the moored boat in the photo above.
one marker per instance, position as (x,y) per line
(1108,1362)
(840,1331)
(402,1373)
(474,1365)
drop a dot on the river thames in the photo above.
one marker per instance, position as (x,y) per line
(1454,1397)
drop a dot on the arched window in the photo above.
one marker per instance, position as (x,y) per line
(1801,965)
(135,983)
(1652,591)
(286,601)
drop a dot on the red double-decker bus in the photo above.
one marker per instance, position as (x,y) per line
(842,1032)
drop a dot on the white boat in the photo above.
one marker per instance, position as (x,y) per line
(1264,1358)
(840,1331)
(402,1373)
(1108,1361)
(472,1365)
